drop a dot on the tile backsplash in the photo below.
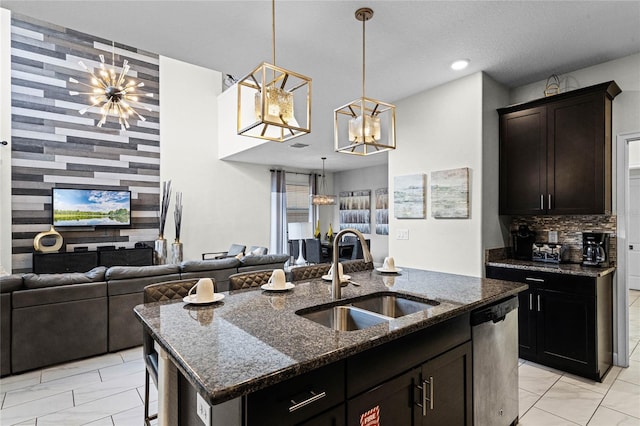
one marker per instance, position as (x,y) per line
(570,229)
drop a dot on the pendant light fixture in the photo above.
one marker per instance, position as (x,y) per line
(365,126)
(112,93)
(274,103)
(323,199)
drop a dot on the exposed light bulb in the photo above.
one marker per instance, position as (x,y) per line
(370,128)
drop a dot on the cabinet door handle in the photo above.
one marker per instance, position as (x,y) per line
(423,391)
(530,302)
(314,397)
(539,309)
(549,200)
(537,280)
(541,201)
(426,399)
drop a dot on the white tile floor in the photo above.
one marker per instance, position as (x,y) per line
(109,390)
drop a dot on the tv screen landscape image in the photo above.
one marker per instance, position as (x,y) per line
(91,207)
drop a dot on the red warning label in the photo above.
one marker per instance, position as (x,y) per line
(371,417)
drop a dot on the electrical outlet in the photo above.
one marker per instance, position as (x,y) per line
(204,410)
(402,234)
(553,236)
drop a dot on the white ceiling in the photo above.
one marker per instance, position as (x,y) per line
(410,45)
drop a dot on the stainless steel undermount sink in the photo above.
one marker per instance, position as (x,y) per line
(361,313)
(345,318)
(392,305)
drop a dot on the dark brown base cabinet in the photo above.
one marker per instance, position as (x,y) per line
(564,321)
(424,378)
(436,393)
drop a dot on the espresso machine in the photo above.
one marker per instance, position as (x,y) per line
(595,249)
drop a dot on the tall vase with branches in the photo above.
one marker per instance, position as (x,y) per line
(176,247)
(160,252)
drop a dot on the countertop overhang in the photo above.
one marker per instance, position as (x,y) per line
(253,339)
(561,268)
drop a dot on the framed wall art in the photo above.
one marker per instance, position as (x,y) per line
(355,210)
(382,211)
(450,194)
(409,196)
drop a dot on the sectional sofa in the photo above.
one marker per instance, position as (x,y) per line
(53,318)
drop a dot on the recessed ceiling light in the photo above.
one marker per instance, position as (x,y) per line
(460,64)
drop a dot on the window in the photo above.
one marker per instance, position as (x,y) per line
(298,198)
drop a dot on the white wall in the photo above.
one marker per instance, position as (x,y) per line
(366,178)
(442,129)
(495,229)
(5,135)
(626,106)
(224,202)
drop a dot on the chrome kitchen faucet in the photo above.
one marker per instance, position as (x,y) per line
(335,279)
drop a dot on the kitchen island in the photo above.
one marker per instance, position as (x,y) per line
(225,358)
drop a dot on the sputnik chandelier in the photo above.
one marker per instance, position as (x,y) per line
(111,93)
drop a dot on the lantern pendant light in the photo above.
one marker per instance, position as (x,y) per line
(365,126)
(323,199)
(274,103)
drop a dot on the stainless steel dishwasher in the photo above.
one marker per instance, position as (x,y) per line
(494,331)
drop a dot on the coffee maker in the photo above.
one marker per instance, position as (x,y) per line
(523,240)
(595,249)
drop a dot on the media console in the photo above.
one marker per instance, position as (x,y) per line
(82,261)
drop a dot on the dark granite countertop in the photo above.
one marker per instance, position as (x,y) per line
(562,268)
(253,339)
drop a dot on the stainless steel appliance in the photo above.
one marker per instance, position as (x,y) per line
(548,252)
(495,364)
(595,249)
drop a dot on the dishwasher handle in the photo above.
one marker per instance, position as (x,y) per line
(494,313)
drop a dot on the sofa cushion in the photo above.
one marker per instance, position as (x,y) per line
(266,259)
(32,281)
(127,272)
(9,283)
(58,294)
(209,265)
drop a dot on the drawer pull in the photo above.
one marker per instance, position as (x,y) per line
(537,280)
(539,309)
(314,397)
(541,201)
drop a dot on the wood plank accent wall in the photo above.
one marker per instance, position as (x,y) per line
(54,146)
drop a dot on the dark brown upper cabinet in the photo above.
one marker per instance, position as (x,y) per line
(555,153)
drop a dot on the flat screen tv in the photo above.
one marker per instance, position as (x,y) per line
(90,207)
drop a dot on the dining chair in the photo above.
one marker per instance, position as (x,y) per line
(159,292)
(315,252)
(357,252)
